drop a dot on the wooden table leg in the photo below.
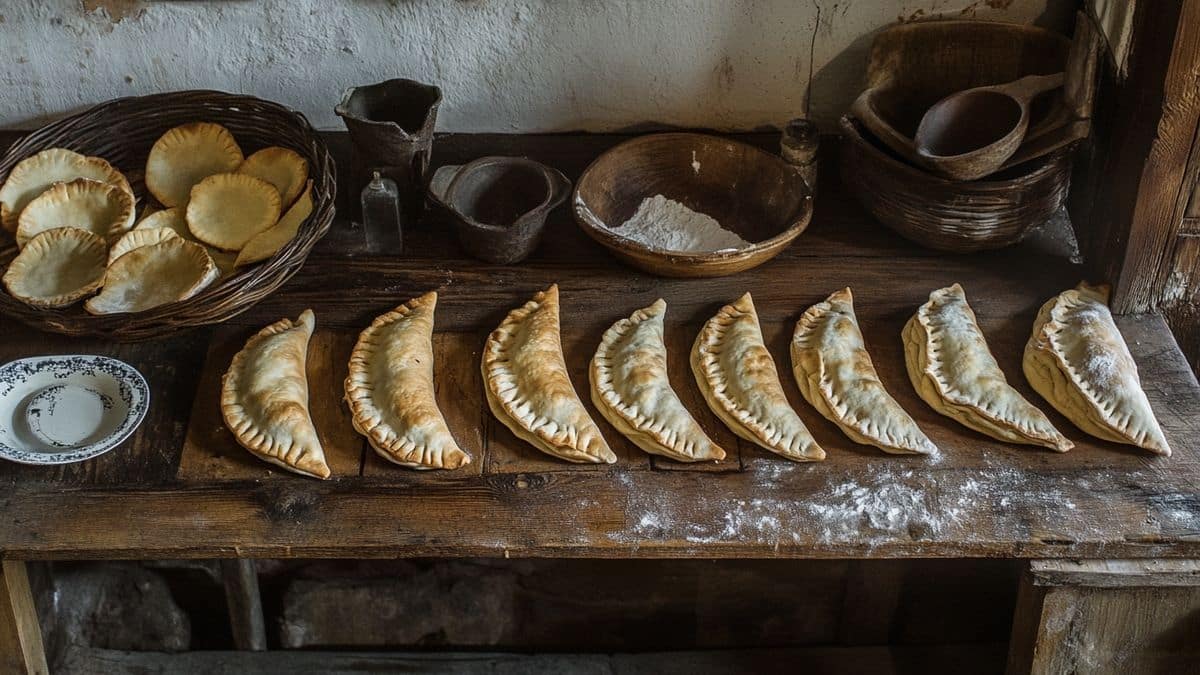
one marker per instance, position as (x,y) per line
(21,649)
(245,604)
(1107,616)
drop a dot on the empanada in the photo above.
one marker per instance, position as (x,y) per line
(268,242)
(284,169)
(34,175)
(739,381)
(137,238)
(227,210)
(102,209)
(630,388)
(57,268)
(391,393)
(952,369)
(835,374)
(528,389)
(172,218)
(186,155)
(1078,361)
(264,398)
(154,275)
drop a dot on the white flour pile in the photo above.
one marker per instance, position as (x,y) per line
(667,225)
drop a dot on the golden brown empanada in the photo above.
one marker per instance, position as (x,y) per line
(57,268)
(186,155)
(835,374)
(227,210)
(264,398)
(391,393)
(1078,361)
(739,381)
(284,169)
(528,389)
(953,370)
(34,175)
(147,277)
(268,242)
(630,388)
(102,209)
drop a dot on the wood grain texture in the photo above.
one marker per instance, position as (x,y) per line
(206,497)
(21,650)
(240,579)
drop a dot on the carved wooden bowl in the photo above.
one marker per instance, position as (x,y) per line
(747,190)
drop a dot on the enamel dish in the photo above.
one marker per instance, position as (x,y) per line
(63,409)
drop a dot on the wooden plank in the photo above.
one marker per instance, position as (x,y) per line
(1106,617)
(21,649)
(210,451)
(240,579)
(934,659)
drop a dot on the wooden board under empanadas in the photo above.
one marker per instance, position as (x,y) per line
(953,370)
(528,389)
(835,374)
(391,393)
(1078,361)
(264,398)
(737,376)
(630,387)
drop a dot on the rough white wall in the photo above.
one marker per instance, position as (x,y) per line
(503,65)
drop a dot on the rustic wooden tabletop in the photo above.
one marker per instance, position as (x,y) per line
(181,487)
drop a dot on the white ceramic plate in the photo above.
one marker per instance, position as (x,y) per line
(63,409)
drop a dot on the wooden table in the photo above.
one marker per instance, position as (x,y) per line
(181,487)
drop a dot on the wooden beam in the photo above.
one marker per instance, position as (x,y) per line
(1106,616)
(240,578)
(21,649)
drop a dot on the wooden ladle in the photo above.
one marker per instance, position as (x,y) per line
(972,133)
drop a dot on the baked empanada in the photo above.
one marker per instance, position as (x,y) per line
(57,268)
(264,398)
(154,275)
(268,242)
(835,374)
(952,369)
(528,389)
(102,209)
(227,210)
(391,393)
(138,238)
(1078,361)
(284,169)
(630,388)
(173,219)
(34,175)
(739,381)
(186,155)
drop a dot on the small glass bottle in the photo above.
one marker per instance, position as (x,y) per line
(381,216)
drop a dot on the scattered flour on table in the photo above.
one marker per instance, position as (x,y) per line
(667,225)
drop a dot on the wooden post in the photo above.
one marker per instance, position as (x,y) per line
(21,649)
(245,604)
(1107,616)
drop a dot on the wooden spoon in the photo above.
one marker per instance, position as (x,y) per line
(972,133)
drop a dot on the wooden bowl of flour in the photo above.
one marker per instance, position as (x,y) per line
(676,204)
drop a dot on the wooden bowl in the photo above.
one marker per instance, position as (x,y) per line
(749,191)
(950,215)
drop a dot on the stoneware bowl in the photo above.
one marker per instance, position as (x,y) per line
(63,409)
(747,190)
(498,205)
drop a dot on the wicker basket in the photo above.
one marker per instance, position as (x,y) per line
(955,216)
(122,132)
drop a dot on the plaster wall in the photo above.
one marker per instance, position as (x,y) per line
(503,65)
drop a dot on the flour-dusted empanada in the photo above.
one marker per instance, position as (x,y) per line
(739,381)
(57,268)
(836,375)
(170,271)
(227,210)
(34,175)
(630,388)
(186,155)
(528,389)
(391,394)
(264,398)
(952,369)
(285,169)
(137,238)
(1078,361)
(87,204)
